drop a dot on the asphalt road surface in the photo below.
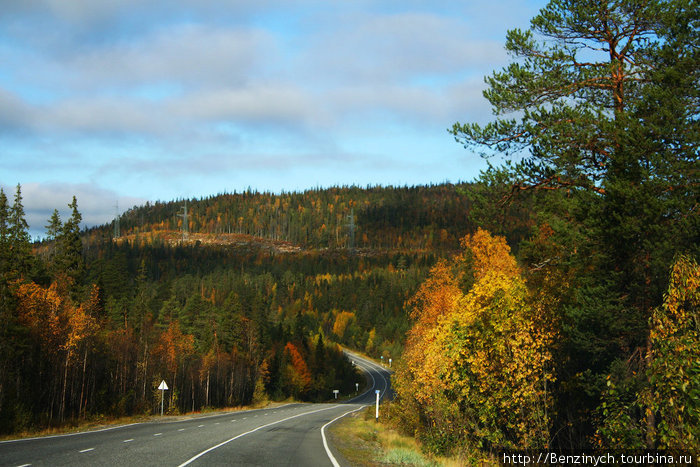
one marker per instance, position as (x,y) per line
(288,435)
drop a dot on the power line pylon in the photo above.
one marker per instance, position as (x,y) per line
(117,232)
(185,224)
(351,227)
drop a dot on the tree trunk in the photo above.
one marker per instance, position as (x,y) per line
(61,411)
(82,385)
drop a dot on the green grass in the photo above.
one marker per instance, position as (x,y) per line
(366,443)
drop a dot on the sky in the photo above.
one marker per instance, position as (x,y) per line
(128,101)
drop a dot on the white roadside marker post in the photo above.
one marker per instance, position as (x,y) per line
(376,416)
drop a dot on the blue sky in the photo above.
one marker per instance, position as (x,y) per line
(130,100)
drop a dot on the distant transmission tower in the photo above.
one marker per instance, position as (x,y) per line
(351,227)
(117,233)
(185,224)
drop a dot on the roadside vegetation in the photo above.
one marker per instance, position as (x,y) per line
(366,443)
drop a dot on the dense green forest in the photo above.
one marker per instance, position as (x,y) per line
(93,322)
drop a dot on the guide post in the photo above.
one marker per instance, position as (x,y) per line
(376,391)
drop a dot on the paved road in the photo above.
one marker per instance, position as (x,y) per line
(289,435)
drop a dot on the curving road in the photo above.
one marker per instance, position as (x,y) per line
(289,435)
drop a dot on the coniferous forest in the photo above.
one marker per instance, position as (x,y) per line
(553,302)
(247,302)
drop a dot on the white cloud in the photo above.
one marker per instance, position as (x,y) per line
(395,47)
(133,95)
(188,54)
(273,103)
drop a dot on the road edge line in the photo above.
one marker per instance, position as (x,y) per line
(325,442)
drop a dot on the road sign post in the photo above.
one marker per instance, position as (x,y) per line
(336,391)
(162,388)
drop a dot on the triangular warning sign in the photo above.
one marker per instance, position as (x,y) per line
(163,386)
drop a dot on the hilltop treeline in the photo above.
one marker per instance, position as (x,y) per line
(418,217)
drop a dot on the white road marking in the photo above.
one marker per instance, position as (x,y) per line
(87,450)
(128,440)
(24,465)
(192,459)
(181,429)
(157,434)
(67,434)
(200,426)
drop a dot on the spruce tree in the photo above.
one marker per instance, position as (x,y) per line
(4,234)
(69,258)
(20,248)
(54,227)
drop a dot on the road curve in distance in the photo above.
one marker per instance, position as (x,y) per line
(290,435)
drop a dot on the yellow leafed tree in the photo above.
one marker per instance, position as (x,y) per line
(477,359)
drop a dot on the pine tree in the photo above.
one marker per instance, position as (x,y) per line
(606,98)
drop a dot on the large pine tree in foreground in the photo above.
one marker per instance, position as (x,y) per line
(598,117)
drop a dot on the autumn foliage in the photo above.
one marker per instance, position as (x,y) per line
(477,360)
(659,406)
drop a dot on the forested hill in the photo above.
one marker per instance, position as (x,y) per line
(250,304)
(397,218)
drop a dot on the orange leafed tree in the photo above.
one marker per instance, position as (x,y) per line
(62,330)
(298,370)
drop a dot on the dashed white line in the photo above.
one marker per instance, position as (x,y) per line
(181,429)
(157,434)
(24,465)
(128,440)
(87,450)
(192,459)
(200,426)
